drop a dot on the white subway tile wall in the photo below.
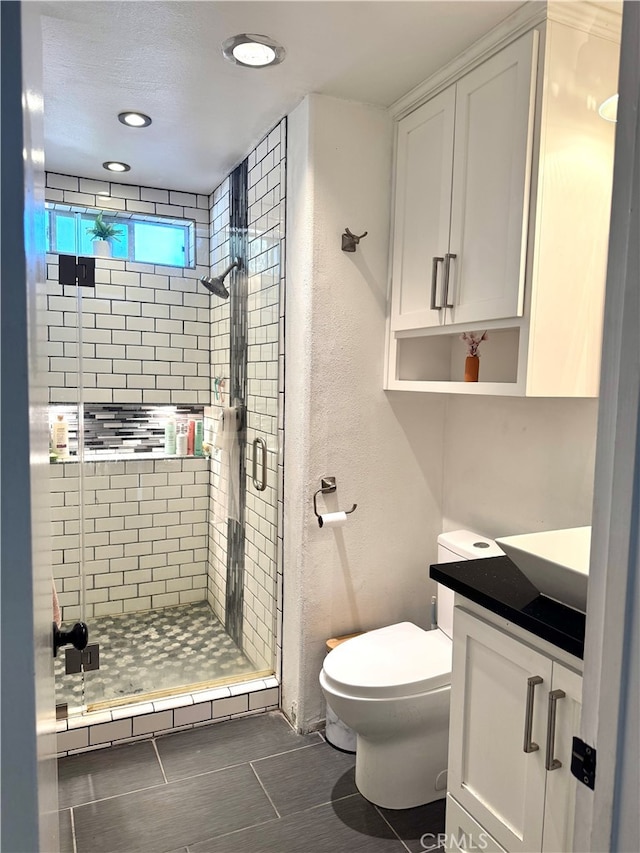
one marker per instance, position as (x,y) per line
(145,329)
(265,388)
(266,199)
(145,534)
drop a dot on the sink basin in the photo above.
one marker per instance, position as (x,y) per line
(555,561)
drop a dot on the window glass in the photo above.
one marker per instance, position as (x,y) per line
(160,244)
(145,241)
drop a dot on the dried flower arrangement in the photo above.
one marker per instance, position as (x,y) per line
(473,341)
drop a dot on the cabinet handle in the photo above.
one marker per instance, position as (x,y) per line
(259,484)
(529,745)
(447,267)
(553,763)
(434,284)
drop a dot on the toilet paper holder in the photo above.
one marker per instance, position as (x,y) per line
(327,487)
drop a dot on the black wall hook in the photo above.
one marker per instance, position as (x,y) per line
(350,241)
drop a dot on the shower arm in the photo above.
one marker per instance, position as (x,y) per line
(234,265)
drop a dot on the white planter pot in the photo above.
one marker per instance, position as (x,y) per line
(102,248)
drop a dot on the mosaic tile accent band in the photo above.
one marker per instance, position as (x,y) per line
(238,376)
(123,428)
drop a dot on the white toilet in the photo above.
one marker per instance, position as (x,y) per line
(392,686)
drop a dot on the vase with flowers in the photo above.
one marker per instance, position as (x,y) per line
(472,362)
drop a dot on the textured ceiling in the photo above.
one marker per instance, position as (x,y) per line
(164,59)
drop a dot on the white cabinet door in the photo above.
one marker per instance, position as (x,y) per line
(463,832)
(560,797)
(490,773)
(422,212)
(492,165)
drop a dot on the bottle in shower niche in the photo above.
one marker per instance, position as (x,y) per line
(181,440)
(170,438)
(191,435)
(197,443)
(60,437)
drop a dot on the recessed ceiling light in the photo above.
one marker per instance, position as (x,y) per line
(608,110)
(115,166)
(252,50)
(134,119)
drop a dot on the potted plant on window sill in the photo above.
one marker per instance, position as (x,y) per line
(103,233)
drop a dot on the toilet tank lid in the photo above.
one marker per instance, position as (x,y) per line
(468,545)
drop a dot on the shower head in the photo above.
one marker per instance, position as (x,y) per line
(215,284)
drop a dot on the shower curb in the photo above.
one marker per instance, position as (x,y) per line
(99,729)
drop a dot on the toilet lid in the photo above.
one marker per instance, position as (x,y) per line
(399,660)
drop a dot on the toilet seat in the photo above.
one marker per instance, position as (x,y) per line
(396,661)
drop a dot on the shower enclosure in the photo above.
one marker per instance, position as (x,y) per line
(177,586)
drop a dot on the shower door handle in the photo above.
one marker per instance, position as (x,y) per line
(260,484)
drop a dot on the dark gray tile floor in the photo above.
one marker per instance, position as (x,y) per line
(250,785)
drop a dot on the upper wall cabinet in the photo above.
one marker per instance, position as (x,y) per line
(463,168)
(502,197)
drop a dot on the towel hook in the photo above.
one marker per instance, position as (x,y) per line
(350,241)
(327,487)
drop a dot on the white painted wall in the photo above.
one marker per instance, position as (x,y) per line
(384,449)
(28,807)
(518,465)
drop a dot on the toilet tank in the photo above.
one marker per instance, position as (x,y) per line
(453,547)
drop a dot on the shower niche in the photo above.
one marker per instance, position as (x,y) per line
(176,582)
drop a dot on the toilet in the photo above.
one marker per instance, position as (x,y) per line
(392,686)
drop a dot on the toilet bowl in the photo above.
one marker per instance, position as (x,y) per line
(392,687)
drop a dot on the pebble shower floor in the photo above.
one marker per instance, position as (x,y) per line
(151,651)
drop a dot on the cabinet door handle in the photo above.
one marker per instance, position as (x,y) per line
(529,745)
(447,269)
(553,763)
(260,484)
(434,284)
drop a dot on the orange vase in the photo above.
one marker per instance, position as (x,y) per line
(471,366)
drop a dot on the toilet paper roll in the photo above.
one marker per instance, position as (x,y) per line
(332,519)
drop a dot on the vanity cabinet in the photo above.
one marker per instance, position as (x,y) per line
(514,711)
(501,215)
(462,186)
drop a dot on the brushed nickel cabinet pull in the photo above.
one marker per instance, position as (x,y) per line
(447,270)
(529,745)
(553,763)
(434,284)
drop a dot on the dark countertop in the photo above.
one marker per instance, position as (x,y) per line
(497,584)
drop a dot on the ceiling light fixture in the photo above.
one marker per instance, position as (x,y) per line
(134,119)
(116,166)
(252,50)
(608,110)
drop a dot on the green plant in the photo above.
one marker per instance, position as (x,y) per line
(102,230)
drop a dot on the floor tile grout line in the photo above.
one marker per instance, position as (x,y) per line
(264,789)
(285,752)
(237,831)
(401,840)
(155,747)
(183,778)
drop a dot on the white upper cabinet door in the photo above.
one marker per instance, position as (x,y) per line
(422,213)
(499,691)
(492,168)
(560,798)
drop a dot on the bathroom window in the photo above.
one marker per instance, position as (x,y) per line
(144,239)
